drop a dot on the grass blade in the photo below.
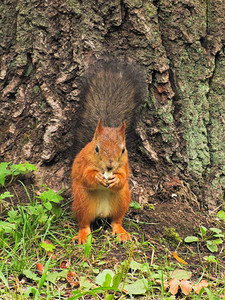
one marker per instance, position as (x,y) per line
(4,280)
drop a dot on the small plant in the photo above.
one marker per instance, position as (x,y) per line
(7,169)
(32,215)
(221,215)
(172,236)
(50,200)
(212,237)
(5,195)
(135,205)
(22,224)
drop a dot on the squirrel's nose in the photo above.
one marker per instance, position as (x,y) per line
(109,168)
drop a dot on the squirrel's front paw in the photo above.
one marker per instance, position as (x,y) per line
(113,180)
(101,179)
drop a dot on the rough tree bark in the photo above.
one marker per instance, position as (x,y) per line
(46,45)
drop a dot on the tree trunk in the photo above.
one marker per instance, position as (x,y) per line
(47,45)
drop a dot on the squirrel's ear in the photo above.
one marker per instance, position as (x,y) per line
(99,129)
(122,128)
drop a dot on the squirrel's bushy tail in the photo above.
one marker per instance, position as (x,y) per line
(111,90)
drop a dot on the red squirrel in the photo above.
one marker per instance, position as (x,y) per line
(111,93)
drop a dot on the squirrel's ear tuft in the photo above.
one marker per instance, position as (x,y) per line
(122,128)
(99,129)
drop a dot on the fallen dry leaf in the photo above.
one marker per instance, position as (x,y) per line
(40,268)
(52,255)
(174,286)
(47,242)
(166,285)
(64,264)
(180,260)
(200,285)
(186,287)
(70,278)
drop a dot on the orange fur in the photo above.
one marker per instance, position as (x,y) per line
(94,194)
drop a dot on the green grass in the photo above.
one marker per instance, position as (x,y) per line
(40,230)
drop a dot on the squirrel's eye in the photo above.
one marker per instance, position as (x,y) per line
(123,150)
(97,149)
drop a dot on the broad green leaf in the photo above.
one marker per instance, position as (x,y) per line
(50,195)
(191,239)
(212,246)
(31,275)
(135,205)
(47,205)
(22,168)
(4,166)
(217,241)
(216,230)
(43,218)
(30,167)
(47,246)
(181,274)
(6,195)
(6,227)
(203,230)
(221,214)
(210,258)
(85,283)
(139,287)
(14,169)
(56,209)
(101,278)
(54,276)
(4,172)
(36,210)
(218,235)
(108,280)
(14,217)
(135,265)
(145,267)
(18,169)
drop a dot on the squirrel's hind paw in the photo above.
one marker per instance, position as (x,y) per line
(82,235)
(122,234)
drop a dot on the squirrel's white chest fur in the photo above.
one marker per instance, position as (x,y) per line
(104,203)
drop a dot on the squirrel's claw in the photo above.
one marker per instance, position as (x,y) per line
(101,179)
(113,180)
